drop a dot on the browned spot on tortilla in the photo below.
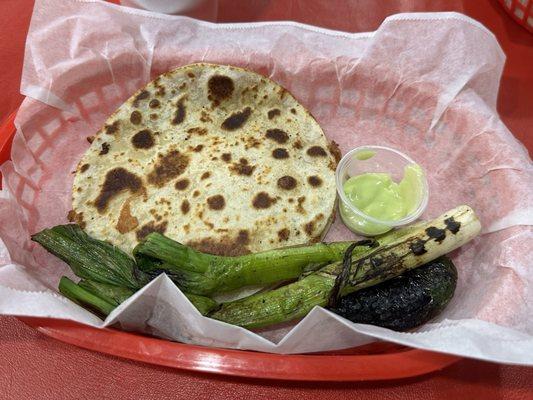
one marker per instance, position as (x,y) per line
(226,157)
(262,200)
(314,181)
(136,117)
(316,151)
(168,167)
(287,182)
(309,228)
(297,144)
(183,86)
(84,167)
(185,206)
(225,245)
(251,142)
(204,117)
(291,200)
(186,228)
(150,227)
(117,181)
(281,92)
(220,87)
(277,135)
(141,96)
(196,193)
(142,139)
(190,75)
(216,202)
(299,208)
(160,91)
(198,148)
(283,234)
(179,115)
(236,120)
(113,128)
(293,111)
(126,222)
(280,153)
(182,184)
(77,218)
(197,131)
(90,139)
(153,117)
(105,149)
(205,175)
(242,167)
(273,113)
(154,103)
(335,150)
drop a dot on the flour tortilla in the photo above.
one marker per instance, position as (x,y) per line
(213,156)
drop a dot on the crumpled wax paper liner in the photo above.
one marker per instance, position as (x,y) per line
(425,84)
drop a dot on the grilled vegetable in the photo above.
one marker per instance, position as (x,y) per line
(408,251)
(206,274)
(404,302)
(109,276)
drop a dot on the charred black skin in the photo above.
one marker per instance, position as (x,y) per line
(404,302)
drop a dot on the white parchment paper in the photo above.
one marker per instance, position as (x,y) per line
(425,84)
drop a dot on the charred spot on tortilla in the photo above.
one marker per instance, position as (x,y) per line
(220,87)
(283,235)
(112,128)
(309,228)
(77,218)
(179,114)
(316,151)
(287,182)
(280,153)
(105,149)
(273,113)
(143,139)
(185,206)
(226,157)
(225,245)
(236,120)
(334,149)
(168,167)
(299,208)
(84,167)
(216,202)
(90,139)
(242,167)
(198,148)
(314,181)
(190,75)
(153,117)
(126,221)
(150,227)
(154,103)
(136,117)
(293,110)
(205,175)
(196,193)
(197,131)
(182,184)
(262,200)
(117,181)
(141,96)
(277,135)
(297,144)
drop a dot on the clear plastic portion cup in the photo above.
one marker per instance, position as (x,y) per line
(377,159)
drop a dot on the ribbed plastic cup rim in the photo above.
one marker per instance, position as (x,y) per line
(405,220)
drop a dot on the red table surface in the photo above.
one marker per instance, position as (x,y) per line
(33,366)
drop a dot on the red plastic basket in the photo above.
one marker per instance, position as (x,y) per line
(521,11)
(375,361)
